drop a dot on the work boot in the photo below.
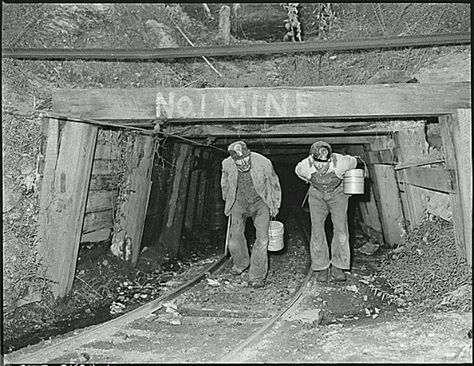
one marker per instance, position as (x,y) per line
(338,274)
(322,276)
(235,272)
(257,284)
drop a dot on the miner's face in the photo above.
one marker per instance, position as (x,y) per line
(243,164)
(321,167)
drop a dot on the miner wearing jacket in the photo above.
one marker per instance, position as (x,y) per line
(324,171)
(250,188)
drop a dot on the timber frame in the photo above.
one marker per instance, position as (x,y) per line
(367,115)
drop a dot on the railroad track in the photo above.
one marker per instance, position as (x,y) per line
(213,317)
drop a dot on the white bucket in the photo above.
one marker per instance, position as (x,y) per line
(354,181)
(275,234)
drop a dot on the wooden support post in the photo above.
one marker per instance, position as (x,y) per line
(130,215)
(367,203)
(170,236)
(63,201)
(412,144)
(386,195)
(224,24)
(457,147)
(191,202)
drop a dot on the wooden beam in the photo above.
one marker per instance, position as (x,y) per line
(130,220)
(291,129)
(231,104)
(390,208)
(170,237)
(447,127)
(296,141)
(412,145)
(65,198)
(97,220)
(438,179)
(431,158)
(462,136)
(238,50)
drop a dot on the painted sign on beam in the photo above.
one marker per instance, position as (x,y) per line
(227,103)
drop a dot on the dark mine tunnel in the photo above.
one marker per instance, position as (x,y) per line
(204,224)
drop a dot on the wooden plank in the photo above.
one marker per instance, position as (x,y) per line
(96,236)
(128,227)
(64,214)
(99,201)
(190,104)
(170,236)
(103,183)
(98,220)
(293,129)
(192,201)
(386,156)
(391,210)
(462,138)
(106,151)
(103,167)
(306,140)
(412,144)
(438,179)
(238,50)
(447,138)
(432,158)
(367,204)
(47,182)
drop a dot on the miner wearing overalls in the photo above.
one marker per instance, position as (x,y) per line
(250,188)
(324,171)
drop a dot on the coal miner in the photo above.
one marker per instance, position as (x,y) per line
(250,188)
(324,171)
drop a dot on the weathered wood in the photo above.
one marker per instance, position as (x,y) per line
(188,104)
(462,137)
(128,227)
(103,167)
(99,201)
(367,203)
(201,199)
(96,236)
(302,140)
(224,24)
(98,220)
(463,146)
(432,158)
(170,236)
(292,129)
(387,156)
(64,213)
(103,182)
(239,50)
(192,193)
(47,182)
(447,136)
(391,210)
(106,151)
(371,232)
(412,145)
(439,179)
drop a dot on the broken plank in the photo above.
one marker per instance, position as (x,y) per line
(66,202)
(432,158)
(438,179)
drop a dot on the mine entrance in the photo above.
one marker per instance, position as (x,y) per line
(386,125)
